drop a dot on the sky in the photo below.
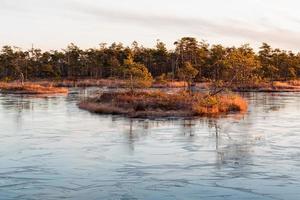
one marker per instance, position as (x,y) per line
(53,24)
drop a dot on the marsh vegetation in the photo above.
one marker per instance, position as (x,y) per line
(163,104)
(30,88)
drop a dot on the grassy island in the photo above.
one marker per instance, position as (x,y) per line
(30,88)
(163,104)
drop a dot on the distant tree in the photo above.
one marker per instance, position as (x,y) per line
(188,73)
(188,49)
(242,64)
(73,59)
(160,60)
(269,61)
(287,65)
(216,68)
(137,74)
(215,63)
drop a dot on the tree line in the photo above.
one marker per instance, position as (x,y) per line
(212,62)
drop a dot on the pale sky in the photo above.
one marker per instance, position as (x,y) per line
(52,24)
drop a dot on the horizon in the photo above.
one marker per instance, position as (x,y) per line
(169,49)
(51,25)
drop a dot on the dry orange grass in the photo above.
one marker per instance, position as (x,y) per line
(283,85)
(295,82)
(28,88)
(220,104)
(170,84)
(162,104)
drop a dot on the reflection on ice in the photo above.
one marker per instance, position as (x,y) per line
(50,149)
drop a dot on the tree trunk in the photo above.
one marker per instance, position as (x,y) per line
(22,78)
(131,83)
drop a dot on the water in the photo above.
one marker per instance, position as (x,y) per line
(49,149)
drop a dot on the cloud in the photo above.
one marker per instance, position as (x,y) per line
(225,28)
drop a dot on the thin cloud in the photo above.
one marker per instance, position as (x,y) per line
(221,29)
(228,28)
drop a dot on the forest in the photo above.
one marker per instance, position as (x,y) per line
(212,62)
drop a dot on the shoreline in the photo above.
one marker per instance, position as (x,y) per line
(31,89)
(266,90)
(279,86)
